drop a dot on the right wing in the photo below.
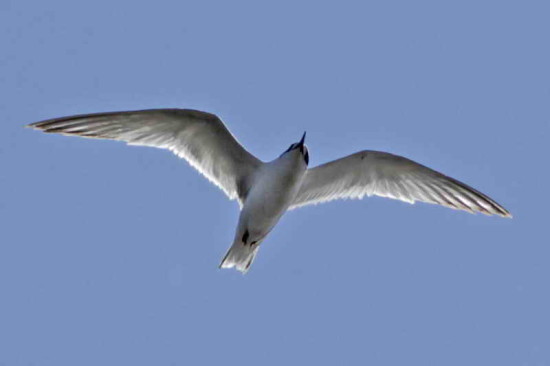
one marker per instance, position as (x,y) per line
(387,175)
(200,138)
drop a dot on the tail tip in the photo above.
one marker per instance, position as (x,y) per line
(240,258)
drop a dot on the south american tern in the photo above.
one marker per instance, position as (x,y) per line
(266,190)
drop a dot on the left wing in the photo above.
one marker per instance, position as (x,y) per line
(386,175)
(200,138)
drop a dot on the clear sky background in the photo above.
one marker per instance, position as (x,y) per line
(109,253)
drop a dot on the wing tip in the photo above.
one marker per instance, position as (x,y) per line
(33,126)
(496,211)
(499,210)
(502,212)
(40,126)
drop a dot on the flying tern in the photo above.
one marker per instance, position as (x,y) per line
(266,190)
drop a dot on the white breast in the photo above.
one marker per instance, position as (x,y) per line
(272,193)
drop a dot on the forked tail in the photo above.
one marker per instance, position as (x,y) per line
(240,256)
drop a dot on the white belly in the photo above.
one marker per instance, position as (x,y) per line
(270,197)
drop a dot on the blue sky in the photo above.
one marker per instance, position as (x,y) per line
(109,253)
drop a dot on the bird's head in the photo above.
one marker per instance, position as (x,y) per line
(301,147)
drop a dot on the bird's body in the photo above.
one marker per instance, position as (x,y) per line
(274,188)
(265,191)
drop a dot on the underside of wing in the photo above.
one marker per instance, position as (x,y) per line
(200,138)
(368,173)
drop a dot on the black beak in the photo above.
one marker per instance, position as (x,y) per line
(301,143)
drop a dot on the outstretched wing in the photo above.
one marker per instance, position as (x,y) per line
(386,175)
(200,138)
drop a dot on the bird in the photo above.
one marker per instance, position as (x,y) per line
(266,190)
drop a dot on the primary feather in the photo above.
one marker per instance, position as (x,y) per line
(368,173)
(200,138)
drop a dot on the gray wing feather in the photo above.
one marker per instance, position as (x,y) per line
(200,138)
(368,173)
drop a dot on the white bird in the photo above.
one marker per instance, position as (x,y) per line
(265,191)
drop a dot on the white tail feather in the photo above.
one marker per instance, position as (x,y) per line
(240,256)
